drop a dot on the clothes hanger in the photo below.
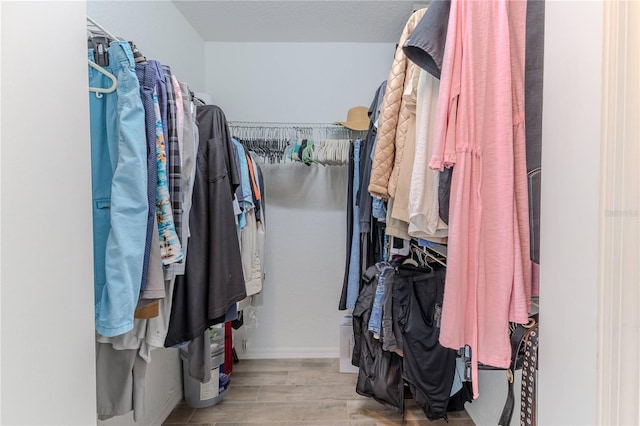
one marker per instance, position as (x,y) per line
(96,29)
(346,147)
(423,261)
(284,142)
(99,90)
(410,260)
(432,256)
(322,153)
(438,249)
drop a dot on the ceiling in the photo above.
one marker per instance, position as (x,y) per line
(298,21)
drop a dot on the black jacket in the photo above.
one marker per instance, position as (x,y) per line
(380,374)
(426,367)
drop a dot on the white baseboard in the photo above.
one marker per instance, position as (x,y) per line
(279,353)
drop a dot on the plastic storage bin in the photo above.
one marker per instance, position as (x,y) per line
(201,395)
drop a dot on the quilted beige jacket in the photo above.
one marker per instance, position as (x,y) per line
(393,121)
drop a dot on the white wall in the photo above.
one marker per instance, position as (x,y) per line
(619,322)
(159,30)
(305,258)
(294,82)
(570,202)
(0,214)
(306,206)
(48,363)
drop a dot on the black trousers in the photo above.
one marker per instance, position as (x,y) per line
(428,367)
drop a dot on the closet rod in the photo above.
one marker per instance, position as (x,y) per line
(273,124)
(101,28)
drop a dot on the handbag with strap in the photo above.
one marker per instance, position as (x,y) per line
(524,356)
(529,374)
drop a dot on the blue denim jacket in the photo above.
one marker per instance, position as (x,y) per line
(375,321)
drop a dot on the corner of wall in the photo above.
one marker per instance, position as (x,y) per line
(571,162)
(168,38)
(0,211)
(47,291)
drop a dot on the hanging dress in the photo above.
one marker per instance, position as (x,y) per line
(480,130)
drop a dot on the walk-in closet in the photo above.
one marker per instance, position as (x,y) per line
(276,212)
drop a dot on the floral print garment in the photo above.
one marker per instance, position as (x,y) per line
(170,248)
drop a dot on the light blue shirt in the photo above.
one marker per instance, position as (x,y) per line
(119,188)
(245,199)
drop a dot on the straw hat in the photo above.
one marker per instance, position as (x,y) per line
(357,118)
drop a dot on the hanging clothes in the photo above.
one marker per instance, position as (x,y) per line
(119,187)
(400,210)
(146,131)
(252,236)
(128,353)
(365,200)
(342,304)
(371,226)
(120,227)
(353,279)
(394,120)
(148,79)
(534,75)
(428,367)
(156,328)
(258,259)
(243,192)
(213,279)
(424,197)
(188,143)
(397,207)
(170,248)
(380,371)
(367,224)
(384,284)
(396,325)
(429,194)
(425,46)
(174,164)
(480,130)
(120,382)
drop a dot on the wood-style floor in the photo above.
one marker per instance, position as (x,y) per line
(300,392)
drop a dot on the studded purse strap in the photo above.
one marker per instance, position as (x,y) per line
(519,339)
(529,373)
